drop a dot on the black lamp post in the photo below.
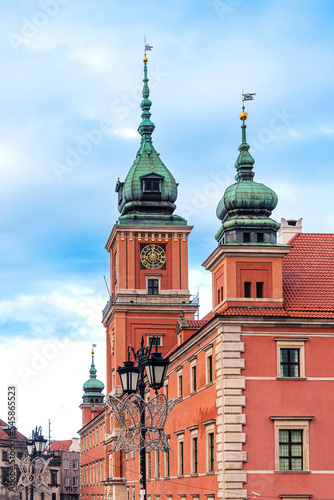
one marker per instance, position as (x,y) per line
(35,446)
(132,379)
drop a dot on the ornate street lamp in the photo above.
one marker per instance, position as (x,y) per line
(34,467)
(132,379)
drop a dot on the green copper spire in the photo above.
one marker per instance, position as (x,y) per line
(245,161)
(149,191)
(247,205)
(146,127)
(93,388)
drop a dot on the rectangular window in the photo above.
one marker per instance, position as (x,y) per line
(195,455)
(259,290)
(180,385)
(66,481)
(53,478)
(181,459)
(289,362)
(246,237)
(167,464)
(209,375)
(75,464)
(290,357)
(4,456)
(218,296)
(152,186)
(221,293)
(155,341)
(53,496)
(211,452)
(260,237)
(292,443)
(66,463)
(247,289)
(166,390)
(152,287)
(157,465)
(193,378)
(290,449)
(148,465)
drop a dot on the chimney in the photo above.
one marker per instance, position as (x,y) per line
(288,229)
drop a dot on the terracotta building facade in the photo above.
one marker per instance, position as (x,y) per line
(254,377)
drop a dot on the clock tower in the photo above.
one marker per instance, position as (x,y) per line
(148,249)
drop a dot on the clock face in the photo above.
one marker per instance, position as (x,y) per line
(152,256)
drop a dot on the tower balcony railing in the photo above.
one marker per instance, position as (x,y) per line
(145,299)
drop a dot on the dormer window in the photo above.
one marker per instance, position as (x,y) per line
(151,185)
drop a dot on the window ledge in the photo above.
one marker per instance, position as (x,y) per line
(292,472)
(208,384)
(291,378)
(194,474)
(210,473)
(193,392)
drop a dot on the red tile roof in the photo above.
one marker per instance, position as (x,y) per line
(62,445)
(198,323)
(308,276)
(4,435)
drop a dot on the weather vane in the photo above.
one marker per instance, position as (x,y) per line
(247,96)
(147,46)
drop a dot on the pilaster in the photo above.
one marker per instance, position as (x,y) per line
(230,403)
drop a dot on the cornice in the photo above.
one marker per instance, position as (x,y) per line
(223,251)
(149,230)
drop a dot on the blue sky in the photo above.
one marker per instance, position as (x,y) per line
(69,110)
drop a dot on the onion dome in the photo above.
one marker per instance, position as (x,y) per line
(246,206)
(93,388)
(148,194)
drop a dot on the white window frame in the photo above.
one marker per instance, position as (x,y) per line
(286,343)
(210,429)
(157,465)
(66,481)
(193,435)
(150,335)
(180,386)
(293,423)
(75,480)
(180,439)
(153,277)
(208,353)
(75,464)
(66,464)
(193,364)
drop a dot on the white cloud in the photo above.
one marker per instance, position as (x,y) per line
(124,133)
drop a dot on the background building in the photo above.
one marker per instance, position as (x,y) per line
(67,475)
(7,438)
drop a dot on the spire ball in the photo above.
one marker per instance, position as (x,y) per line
(243,116)
(145,58)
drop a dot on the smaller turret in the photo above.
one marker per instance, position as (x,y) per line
(246,206)
(93,388)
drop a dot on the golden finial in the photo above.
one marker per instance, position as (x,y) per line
(92,352)
(145,58)
(243,116)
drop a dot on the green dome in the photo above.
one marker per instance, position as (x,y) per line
(149,191)
(247,196)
